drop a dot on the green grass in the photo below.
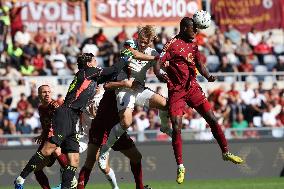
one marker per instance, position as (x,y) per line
(259,183)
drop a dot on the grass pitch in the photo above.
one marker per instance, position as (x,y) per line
(259,183)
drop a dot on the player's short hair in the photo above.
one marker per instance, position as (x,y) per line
(147,31)
(40,88)
(185,23)
(83,59)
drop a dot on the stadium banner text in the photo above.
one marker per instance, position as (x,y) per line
(138,12)
(52,15)
(245,14)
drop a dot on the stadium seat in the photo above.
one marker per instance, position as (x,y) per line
(251,78)
(270,61)
(229,79)
(278,49)
(260,69)
(269,78)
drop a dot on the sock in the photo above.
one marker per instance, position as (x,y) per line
(62,160)
(177,145)
(42,179)
(220,137)
(84,176)
(36,159)
(180,165)
(136,169)
(164,123)
(20,180)
(68,177)
(111,178)
(114,135)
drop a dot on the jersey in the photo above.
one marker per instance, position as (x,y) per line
(139,68)
(46,113)
(182,57)
(85,81)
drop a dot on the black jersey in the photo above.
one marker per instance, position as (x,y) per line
(82,87)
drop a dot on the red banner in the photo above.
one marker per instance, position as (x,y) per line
(136,12)
(245,14)
(53,14)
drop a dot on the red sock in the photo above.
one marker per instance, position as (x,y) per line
(62,160)
(177,145)
(136,169)
(84,176)
(42,179)
(220,137)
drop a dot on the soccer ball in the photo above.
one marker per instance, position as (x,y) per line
(202,19)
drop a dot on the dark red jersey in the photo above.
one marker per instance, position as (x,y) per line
(46,113)
(182,57)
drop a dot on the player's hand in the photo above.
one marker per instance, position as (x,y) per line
(128,83)
(165,64)
(163,77)
(211,78)
(54,104)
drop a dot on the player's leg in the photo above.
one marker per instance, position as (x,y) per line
(42,179)
(206,112)
(125,105)
(61,157)
(84,175)
(176,112)
(157,101)
(38,158)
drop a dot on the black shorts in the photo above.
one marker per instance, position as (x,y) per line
(63,131)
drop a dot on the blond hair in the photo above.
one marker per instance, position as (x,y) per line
(147,31)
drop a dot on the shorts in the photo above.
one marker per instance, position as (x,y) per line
(107,117)
(128,98)
(193,97)
(63,131)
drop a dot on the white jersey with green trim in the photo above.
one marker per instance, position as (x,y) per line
(139,68)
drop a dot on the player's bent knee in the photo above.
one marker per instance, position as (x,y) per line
(48,149)
(126,118)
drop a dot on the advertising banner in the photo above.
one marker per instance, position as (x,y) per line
(135,12)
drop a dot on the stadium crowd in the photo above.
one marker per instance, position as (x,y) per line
(41,54)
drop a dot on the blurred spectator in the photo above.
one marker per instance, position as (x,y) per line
(32,118)
(23,127)
(243,50)
(262,49)
(268,117)
(269,39)
(27,69)
(30,50)
(251,133)
(280,118)
(22,105)
(253,37)
(58,61)
(240,124)
(15,52)
(256,108)
(22,37)
(279,67)
(100,37)
(225,66)
(4,20)
(71,50)
(198,123)
(60,99)
(6,96)
(3,141)
(142,123)
(40,37)
(4,123)
(90,47)
(228,50)
(33,98)
(39,64)
(245,66)
(16,17)
(247,94)
(233,34)
(63,36)
(120,38)
(12,74)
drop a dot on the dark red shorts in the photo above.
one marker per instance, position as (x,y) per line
(107,117)
(193,97)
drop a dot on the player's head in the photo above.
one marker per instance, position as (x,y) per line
(187,28)
(85,60)
(44,94)
(146,36)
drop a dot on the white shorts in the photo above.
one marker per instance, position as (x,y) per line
(127,98)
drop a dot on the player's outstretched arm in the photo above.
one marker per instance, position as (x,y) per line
(118,84)
(141,56)
(204,72)
(111,72)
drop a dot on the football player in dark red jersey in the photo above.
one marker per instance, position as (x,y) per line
(181,58)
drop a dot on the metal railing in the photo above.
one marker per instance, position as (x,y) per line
(156,135)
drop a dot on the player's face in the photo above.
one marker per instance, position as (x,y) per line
(191,31)
(143,43)
(93,63)
(45,94)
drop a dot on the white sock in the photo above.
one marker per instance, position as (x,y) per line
(180,166)
(164,122)
(20,180)
(111,178)
(114,135)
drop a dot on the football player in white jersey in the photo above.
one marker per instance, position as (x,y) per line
(128,98)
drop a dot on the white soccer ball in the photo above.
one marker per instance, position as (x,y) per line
(202,19)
